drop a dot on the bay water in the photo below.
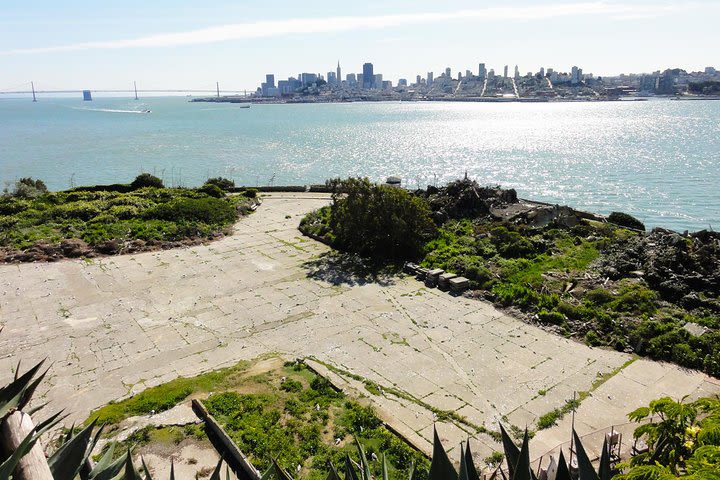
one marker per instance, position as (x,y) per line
(658,160)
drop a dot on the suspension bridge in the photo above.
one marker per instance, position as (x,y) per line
(31,90)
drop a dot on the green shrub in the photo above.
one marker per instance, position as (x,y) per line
(29,188)
(212,191)
(250,192)
(625,220)
(511,244)
(599,296)
(379,221)
(552,317)
(635,298)
(592,338)
(224,184)
(291,385)
(212,211)
(146,180)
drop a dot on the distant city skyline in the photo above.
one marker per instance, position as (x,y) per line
(181,45)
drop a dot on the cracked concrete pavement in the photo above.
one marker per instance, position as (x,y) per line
(116,325)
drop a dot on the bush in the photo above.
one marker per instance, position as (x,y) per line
(592,338)
(379,221)
(291,385)
(29,188)
(250,193)
(552,317)
(146,180)
(625,220)
(212,211)
(220,182)
(212,190)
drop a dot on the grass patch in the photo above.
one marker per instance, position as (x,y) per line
(167,395)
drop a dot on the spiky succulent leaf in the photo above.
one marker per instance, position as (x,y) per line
(523,471)
(587,471)
(471,469)
(350,473)
(384,468)
(280,473)
(30,390)
(110,469)
(332,474)
(463,473)
(605,472)
(8,466)
(441,468)
(13,395)
(32,411)
(563,473)
(512,452)
(411,474)
(216,473)
(146,469)
(128,472)
(365,472)
(67,461)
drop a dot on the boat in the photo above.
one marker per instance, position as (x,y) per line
(244,106)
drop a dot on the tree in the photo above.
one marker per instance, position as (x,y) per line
(220,182)
(29,188)
(146,180)
(378,220)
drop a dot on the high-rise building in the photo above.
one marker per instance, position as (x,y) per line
(378,81)
(308,78)
(368,75)
(430,79)
(491,75)
(482,71)
(542,71)
(505,72)
(418,80)
(270,79)
(448,72)
(338,73)
(468,73)
(575,76)
(350,79)
(402,82)
(517,72)
(331,78)
(360,80)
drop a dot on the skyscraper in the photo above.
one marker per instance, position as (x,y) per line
(338,73)
(448,72)
(430,79)
(505,72)
(482,71)
(368,75)
(517,72)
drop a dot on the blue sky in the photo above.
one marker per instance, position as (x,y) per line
(183,44)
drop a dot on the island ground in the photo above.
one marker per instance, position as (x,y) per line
(117,325)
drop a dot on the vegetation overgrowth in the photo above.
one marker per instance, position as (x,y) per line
(296,416)
(607,284)
(39,225)
(298,420)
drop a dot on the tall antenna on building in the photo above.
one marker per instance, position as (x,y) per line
(217,84)
(135,85)
(32,85)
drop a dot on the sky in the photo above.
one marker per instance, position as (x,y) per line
(178,44)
